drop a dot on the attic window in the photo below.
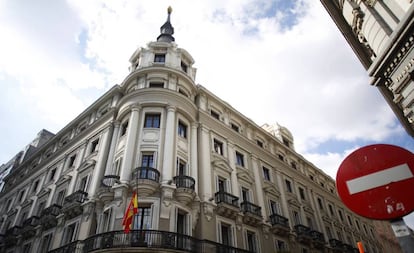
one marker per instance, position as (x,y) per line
(259,143)
(235,127)
(184,67)
(215,114)
(156,85)
(159,58)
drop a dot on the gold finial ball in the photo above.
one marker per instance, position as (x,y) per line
(169,9)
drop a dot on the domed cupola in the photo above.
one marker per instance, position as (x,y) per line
(167,30)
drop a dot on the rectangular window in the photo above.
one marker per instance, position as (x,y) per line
(35,186)
(72,161)
(117,166)
(266,173)
(281,245)
(218,147)
(251,241)
(293,164)
(309,221)
(84,183)
(40,208)
(328,232)
(288,186)
(60,197)
(245,194)
(349,220)
(152,120)
(21,195)
(239,159)
(331,210)
(226,234)
(159,58)
(142,219)
(235,127)
(181,168)
(302,193)
(259,143)
(26,248)
(106,220)
(156,85)
(182,129)
(281,157)
(124,128)
(45,244)
(320,204)
(341,215)
(221,185)
(52,174)
(147,160)
(215,114)
(275,207)
(296,218)
(184,67)
(69,234)
(94,145)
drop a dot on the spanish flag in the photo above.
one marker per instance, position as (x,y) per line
(130,212)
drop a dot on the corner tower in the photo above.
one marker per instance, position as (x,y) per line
(171,67)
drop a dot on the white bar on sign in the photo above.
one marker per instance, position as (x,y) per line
(380,178)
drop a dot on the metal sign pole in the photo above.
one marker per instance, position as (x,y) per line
(403,234)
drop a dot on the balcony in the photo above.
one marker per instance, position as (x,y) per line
(147,180)
(73,247)
(227,204)
(346,248)
(303,234)
(252,213)
(10,237)
(154,241)
(336,244)
(72,205)
(48,216)
(280,224)
(29,227)
(185,189)
(318,240)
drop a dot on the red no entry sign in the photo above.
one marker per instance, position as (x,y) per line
(377,181)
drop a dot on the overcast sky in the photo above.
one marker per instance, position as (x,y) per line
(275,61)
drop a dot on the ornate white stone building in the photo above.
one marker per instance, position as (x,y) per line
(381,33)
(208,178)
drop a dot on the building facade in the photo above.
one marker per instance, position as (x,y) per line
(208,178)
(381,33)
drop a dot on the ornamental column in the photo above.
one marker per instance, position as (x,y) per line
(194,155)
(113,143)
(168,162)
(233,177)
(258,185)
(99,169)
(204,169)
(130,144)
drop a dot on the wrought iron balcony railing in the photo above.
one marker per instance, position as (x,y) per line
(317,236)
(76,197)
(226,198)
(248,207)
(53,210)
(336,244)
(31,222)
(184,182)
(73,247)
(302,230)
(146,173)
(276,219)
(153,239)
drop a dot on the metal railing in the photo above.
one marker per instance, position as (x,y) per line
(73,247)
(184,182)
(276,219)
(53,210)
(227,198)
(302,230)
(248,207)
(154,239)
(78,196)
(146,173)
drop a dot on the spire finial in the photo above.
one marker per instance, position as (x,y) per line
(167,30)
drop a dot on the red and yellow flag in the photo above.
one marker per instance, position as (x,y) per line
(130,212)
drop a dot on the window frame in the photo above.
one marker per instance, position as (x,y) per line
(152,120)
